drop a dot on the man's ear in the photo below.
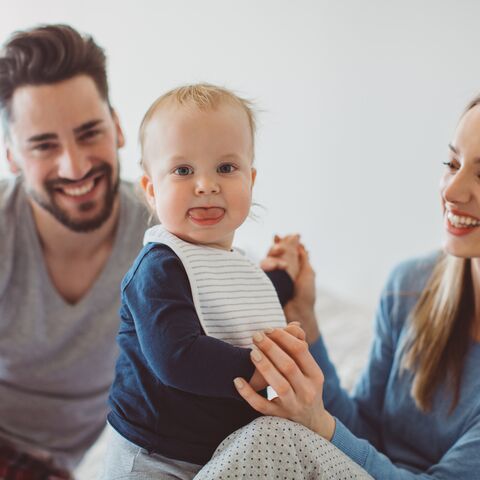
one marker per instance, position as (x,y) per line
(12,165)
(148,190)
(118,130)
(254,176)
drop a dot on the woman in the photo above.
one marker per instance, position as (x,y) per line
(415,413)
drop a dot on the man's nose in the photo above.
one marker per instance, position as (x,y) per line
(73,164)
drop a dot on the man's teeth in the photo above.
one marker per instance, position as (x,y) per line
(462,222)
(78,191)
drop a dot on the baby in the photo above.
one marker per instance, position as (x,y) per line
(191,303)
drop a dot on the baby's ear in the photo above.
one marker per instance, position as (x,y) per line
(254,175)
(148,190)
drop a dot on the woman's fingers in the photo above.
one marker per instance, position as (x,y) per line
(293,360)
(298,351)
(278,369)
(281,244)
(279,356)
(292,239)
(305,264)
(276,250)
(256,401)
(294,328)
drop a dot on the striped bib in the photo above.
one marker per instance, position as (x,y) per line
(232,296)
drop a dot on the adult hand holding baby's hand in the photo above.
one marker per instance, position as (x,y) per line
(289,253)
(301,307)
(283,255)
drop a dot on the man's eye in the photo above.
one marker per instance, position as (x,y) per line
(43,147)
(182,171)
(88,135)
(226,168)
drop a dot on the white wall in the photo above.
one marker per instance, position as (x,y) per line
(358,101)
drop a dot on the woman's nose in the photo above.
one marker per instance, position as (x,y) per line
(457,188)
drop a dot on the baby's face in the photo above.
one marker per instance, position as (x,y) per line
(200,172)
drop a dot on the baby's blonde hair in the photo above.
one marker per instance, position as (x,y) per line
(203,96)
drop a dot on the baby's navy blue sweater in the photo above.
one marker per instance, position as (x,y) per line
(173,390)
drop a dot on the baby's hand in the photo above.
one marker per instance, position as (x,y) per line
(284,255)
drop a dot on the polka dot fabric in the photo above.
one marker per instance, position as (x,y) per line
(278,449)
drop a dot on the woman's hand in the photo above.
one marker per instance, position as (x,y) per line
(288,250)
(301,308)
(283,255)
(288,367)
(257,382)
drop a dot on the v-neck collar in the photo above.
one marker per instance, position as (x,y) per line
(95,289)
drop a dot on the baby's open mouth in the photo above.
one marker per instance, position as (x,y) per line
(206,215)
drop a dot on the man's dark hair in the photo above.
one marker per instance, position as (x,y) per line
(48,54)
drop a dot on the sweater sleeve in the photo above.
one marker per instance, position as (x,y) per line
(358,417)
(460,461)
(175,347)
(283,284)
(359,412)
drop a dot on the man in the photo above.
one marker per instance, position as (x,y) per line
(69,230)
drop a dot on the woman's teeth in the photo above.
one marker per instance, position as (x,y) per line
(462,222)
(78,191)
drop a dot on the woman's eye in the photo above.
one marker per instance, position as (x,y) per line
(226,168)
(182,171)
(451,165)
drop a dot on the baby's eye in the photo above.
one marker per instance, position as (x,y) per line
(226,168)
(183,171)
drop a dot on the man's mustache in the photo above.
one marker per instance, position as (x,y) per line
(59,182)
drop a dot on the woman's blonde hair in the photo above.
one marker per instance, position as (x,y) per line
(441,327)
(202,96)
(440,331)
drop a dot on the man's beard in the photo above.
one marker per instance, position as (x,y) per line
(48,203)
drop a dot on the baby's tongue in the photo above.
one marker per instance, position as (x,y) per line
(206,213)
